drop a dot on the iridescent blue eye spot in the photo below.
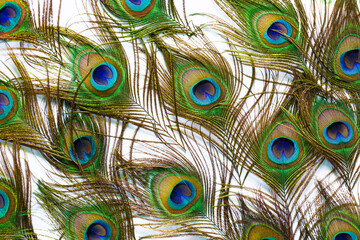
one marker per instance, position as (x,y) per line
(181,195)
(137,5)
(338,132)
(6,103)
(83,149)
(268,238)
(6,14)
(205,92)
(98,230)
(4,203)
(276,31)
(283,150)
(10,14)
(104,76)
(345,236)
(101,74)
(350,62)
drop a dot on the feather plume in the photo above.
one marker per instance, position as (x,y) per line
(137,122)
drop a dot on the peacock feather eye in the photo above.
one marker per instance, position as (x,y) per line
(7,204)
(283,147)
(89,225)
(336,128)
(8,104)
(202,90)
(345,236)
(340,228)
(83,149)
(82,145)
(12,16)
(138,8)
(101,74)
(261,231)
(275,29)
(176,193)
(347,58)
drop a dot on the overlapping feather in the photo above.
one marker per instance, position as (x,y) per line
(145,120)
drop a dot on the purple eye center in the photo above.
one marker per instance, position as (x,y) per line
(4,101)
(96,232)
(343,236)
(135,2)
(82,146)
(351,58)
(101,74)
(179,191)
(283,146)
(5,14)
(337,128)
(203,88)
(276,30)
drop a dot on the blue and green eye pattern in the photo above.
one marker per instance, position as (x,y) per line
(335,127)
(182,194)
(83,149)
(175,194)
(276,32)
(101,74)
(79,212)
(283,147)
(6,103)
(205,92)
(10,14)
(341,228)
(98,230)
(13,14)
(82,145)
(338,132)
(347,58)
(138,8)
(345,236)
(7,205)
(92,225)
(350,62)
(9,104)
(275,29)
(201,89)
(137,5)
(283,150)
(104,76)
(4,203)
(131,9)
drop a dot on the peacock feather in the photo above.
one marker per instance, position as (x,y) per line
(15,18)
(136,119)
(15,190)
(100,214)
